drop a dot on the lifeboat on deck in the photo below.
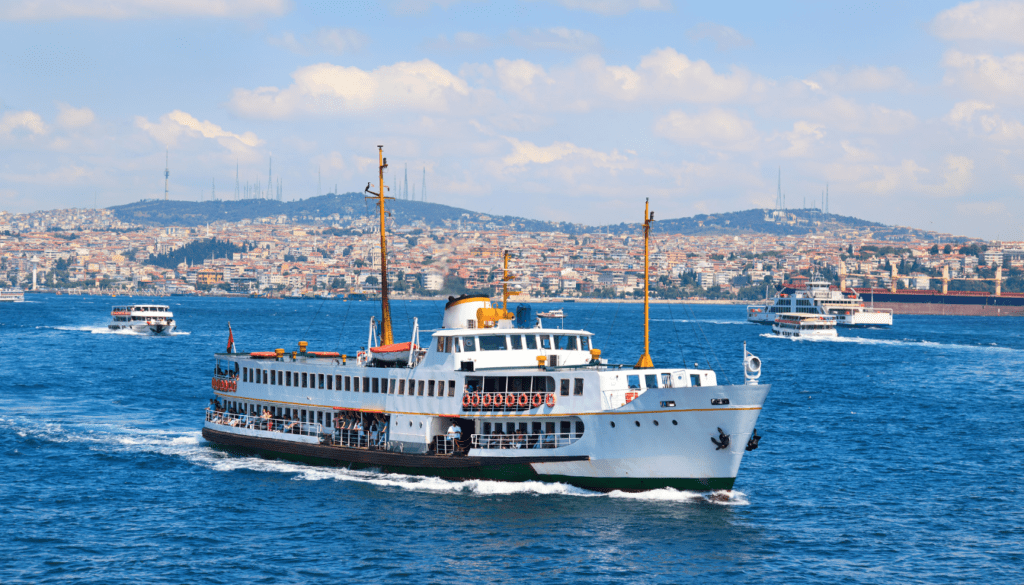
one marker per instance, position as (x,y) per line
(394,353)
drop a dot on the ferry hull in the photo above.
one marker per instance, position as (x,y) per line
(453,468)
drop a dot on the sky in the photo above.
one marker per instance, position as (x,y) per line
(911,113)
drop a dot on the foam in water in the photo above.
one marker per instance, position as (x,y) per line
(104,330)
(896,342)
(188,445)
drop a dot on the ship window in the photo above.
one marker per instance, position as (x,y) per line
(401,387)
(549,428)
(451,387)
(694,379)
(651,380)
(420,393)
(448,344)
(320,380)
(565,427)
(666,380)
(391,386)
(305,379)
(366,384)
(280,378)
(376,385)
(457,344)
(545,341)
(440,344)
(473,384)
(355,384)
(565,342)
(245,374)
(578,388)
(348,384)
(327,419)
(492,342)
(273,378)
(430,388)
(320,417)
(633,382)
(584,343)
(337,382)
(517,341)
(487,428)
(470,343)
(303,416)
(536,428)
(531,342)
(495,384)
(564,387)
(579,429)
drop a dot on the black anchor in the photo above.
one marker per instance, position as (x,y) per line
(754,439)
(723,440)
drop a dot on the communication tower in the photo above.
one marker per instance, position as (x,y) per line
(167,170)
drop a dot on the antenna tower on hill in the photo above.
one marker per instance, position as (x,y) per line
(167,170)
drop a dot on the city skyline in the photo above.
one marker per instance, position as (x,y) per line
(560,111)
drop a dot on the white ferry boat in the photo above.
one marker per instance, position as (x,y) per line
(152,319)
(552,314)
(819,299)
(491,395)
(804,325)
(12,295)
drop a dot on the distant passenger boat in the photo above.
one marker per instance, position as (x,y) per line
(12,295)
(152,319)
(818,298)
(804,325)
(553,314)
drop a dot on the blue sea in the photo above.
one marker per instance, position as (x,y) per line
(889,456)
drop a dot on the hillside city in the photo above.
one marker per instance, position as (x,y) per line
(91,249)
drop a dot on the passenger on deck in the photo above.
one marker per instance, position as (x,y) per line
(519,441)
(374,432)
(498,439)
(267,424)
(383,432)
(360,434)
(452,437)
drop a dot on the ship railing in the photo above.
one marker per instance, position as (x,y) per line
(258,423)
(532,441)
(364,439)
(505,401)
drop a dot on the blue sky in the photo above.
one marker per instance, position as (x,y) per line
(566,110)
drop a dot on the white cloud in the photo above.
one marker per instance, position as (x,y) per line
(30,121)
(724,37)
(963,112)
(979,117)
(557,39)
(335,41)
(986,21)
(802,138)
(460,41)
(614,7)
(519,76)
(957,174)
(70,117)
(526,153)
(716,129)
(177,123)
(125,9)
(988,75)
(331,89)
(864,79)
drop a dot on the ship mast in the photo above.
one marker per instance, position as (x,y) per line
(645,360)
(504,284)
(385,308)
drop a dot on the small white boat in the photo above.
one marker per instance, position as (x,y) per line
(12,295)
(804,325)
(552,314)
(152,319)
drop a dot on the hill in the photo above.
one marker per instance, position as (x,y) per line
(340,211)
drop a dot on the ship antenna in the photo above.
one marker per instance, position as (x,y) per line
(385,308)
(645,360)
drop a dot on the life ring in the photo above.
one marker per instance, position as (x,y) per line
(475,399)
(510,400)
(524,401)
(537,400)
(485,401)
(550,400)
(465,400)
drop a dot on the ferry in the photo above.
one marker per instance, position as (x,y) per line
(552,314)
(151,319)
(804,325)
(492,394)
(12,295)
(818,298)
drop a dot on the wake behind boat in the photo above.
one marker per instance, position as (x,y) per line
(492,395)
(148,319)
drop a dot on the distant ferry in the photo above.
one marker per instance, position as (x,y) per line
(552,314)
(804,325)
(152,319)
(12,295)
(818,298)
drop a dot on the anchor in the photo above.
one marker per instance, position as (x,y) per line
(723,440)
(754,440)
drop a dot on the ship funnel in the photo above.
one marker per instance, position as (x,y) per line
(751,367)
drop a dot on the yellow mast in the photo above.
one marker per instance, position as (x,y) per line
(645,360)
(504,284)
(385,308)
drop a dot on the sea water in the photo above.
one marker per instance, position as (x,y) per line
(890,455)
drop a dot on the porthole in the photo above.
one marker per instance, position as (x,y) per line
(613,424)
(421,425)
(675,422)
(655,423)
(410,423)
(637,422)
